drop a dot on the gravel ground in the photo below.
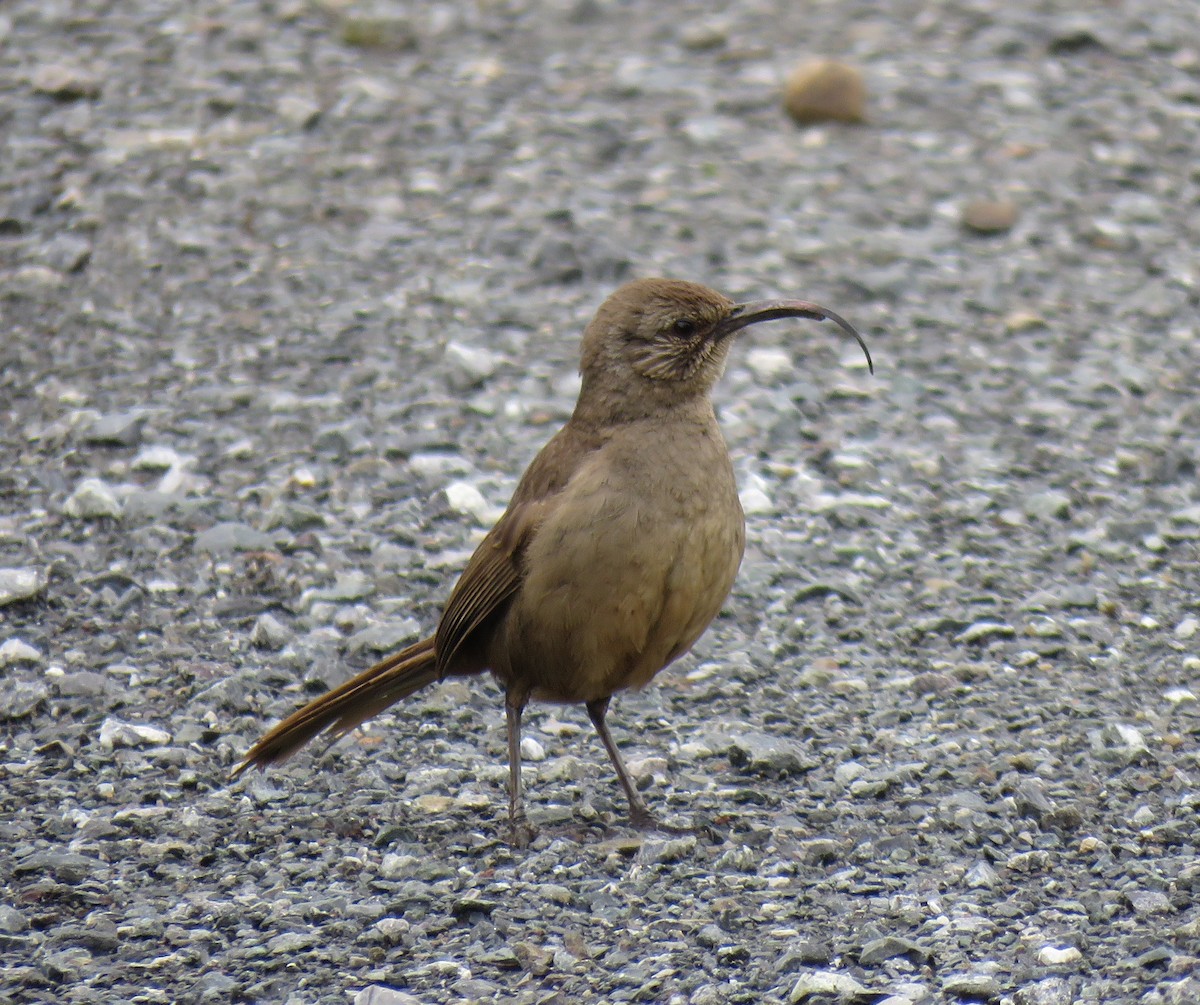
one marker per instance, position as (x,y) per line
(291,293)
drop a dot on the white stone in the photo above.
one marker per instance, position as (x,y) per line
(91,500)
(17,651)
(531,750)
(115,733)
(465,498)
(1051,956)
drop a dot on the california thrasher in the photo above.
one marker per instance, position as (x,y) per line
(618,548)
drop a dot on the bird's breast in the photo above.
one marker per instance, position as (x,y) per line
(627,569)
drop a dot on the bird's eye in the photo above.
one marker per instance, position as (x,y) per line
(684,327)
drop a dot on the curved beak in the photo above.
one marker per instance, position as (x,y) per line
(768,310)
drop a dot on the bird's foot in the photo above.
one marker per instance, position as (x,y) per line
(521,832)
(647,821)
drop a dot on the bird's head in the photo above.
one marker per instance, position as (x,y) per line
(666,340)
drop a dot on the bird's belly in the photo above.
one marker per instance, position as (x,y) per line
(619,590)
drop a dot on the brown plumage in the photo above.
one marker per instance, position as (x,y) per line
(618,548)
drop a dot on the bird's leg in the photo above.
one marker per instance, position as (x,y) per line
(639,814)
(514,705)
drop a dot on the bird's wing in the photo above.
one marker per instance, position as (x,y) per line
(495,571)
(492,576)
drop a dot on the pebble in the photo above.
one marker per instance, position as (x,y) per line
(15,651)
(93,499)
(465,498)
(1149,902)
(971,986)
(269,633)
(890,946)
(764,753)
(756,500)
(769,363)
(20,584)
(825,983)
(469,366)
(156,458)
(703,35)
(1053,956)
(1187,628)
(990,216)
(981,876)
(825,91)
(981,631)
(1120,742)
(115,733)
(227,538)
(531,750)
(1051,991)
(65,81)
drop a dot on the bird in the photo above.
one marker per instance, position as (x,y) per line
(619,546)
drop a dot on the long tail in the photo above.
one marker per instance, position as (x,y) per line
(348,705)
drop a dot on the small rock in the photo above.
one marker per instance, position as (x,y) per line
(156,458)
(816,851)
(115,733)
(1148,902)
(226,538)
(269,633)
(647,768)
(890,946)
(981,987)
(16,651)
(1142,817)
(465,498)
(1051,991)
(764,754)
(754,496)
(20,584)
(1187,628)
(769,363)
(981,876)
(1078,596)
(82,684)
(1048,505)
(670,850)
(64,82)
(1053,956)
(118,429)
(386,637)
(92,500)
(825,983)
(847,772)
(980,631)
(989,216)
(67,253)
(386,34)
(346,589)
(699,36)
(825,91)
(12,921)
(469,366)
(290,943)
(298,110)
(1184,992)
(531,750)
(1119,742)
(395,866)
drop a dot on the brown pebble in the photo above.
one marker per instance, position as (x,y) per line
(825,91)
(989,216)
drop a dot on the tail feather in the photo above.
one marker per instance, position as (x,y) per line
(347,705)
